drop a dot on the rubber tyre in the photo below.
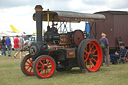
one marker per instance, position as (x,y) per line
(78,53)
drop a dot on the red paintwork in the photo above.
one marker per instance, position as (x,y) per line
(93,48)
(78,37)
(55,47)
(65,39)
(71,53)
(41,64)
(28,66)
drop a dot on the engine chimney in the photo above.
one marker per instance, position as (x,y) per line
(38,9)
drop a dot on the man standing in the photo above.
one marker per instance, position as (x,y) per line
(0,45)
(21,45)
(9,46)
(3,47)
(16,46)
(105,49)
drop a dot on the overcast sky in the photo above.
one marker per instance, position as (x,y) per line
(19,12)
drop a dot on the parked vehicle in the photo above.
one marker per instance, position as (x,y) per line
(115,26)
(61,51)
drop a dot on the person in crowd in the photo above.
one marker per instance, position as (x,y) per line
(16,46)
(114,57)
(21,45)
(0,45)
(3,47)
(105,49)
(9,45)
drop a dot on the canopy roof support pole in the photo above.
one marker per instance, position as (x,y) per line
(48,17)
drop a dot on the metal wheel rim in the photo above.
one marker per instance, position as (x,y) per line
(94,49)
(45,67)
(28,66)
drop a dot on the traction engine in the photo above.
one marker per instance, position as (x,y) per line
(61,51)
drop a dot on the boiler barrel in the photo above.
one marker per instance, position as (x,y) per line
(49,36)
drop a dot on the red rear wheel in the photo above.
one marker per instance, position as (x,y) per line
(26,65)
(44,66)
(90,55)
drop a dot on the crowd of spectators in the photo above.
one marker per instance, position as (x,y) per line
(18,46)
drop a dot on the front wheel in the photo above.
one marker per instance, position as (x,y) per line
(44,66)
(26,65)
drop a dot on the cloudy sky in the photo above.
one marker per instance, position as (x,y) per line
(19,12)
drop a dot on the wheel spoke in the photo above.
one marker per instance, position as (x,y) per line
(47,71)
(86,48)
(28,68)
(85,51)
(92,63)
(41,72)
(41,63)
(31,69)
(26,65)
(49,68)
(95,55)
(93,59)
(30,60)
(39,69)
(27,62)
(91,48)
(94,50)
(85,59)
(86,56)
(39,66)
(48,62)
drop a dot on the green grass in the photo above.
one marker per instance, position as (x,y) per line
(10,74)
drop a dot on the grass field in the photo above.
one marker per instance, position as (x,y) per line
(10,74)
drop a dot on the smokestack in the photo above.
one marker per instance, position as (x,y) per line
(38,9)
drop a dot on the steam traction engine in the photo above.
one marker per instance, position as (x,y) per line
(61,51)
